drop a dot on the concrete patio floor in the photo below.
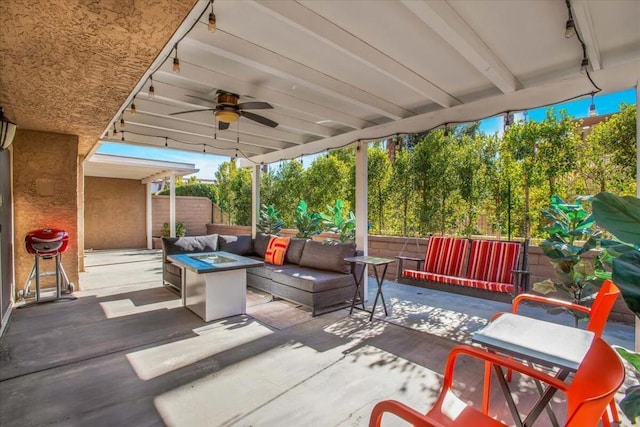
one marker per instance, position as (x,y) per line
(126,353)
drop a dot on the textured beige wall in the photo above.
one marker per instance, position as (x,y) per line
(68,65)
(45,195)
(114,213)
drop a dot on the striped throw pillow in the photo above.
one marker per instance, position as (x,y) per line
(276,249)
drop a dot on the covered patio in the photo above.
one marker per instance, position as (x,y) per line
(336,74)
(127,353)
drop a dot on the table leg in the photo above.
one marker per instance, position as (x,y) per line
(379,281)
(358,284)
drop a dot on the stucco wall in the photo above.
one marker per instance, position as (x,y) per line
(45,189)
(114,213)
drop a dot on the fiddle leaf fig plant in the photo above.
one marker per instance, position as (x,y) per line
(339,223)
(269,221)
(308,223)
(620,216)
(572,234)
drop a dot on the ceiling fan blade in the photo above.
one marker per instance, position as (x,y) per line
(202,99)
(223,125)
(254,105)
(192,111)
(260,119)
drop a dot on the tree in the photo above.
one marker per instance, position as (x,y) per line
(379,172)
(617,137)
(240,184)
(325,181)
(225,197)
(401,189)
(288,189)
(196,189)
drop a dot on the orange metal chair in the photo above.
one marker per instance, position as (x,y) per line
(596,381)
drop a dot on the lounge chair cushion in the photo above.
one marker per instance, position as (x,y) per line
(460,281)
(445,255)
(493,261)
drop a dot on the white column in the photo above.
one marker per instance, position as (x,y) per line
(255,198)
(362,211)
(172,204)
(637,189)
(149,212)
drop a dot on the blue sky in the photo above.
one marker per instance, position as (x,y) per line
(208,163)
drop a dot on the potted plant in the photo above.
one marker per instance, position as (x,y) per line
(620,216)
(568,225)
(181,230)
(269,220)
(336,221)
(308,223)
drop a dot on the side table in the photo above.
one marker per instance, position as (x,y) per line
(375,262)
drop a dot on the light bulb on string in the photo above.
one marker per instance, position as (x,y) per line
(152,90)
(166,142)
(592,108)
(121,121)
(584,66)
(212,26)
(176,61)
(122,137)
(133,106)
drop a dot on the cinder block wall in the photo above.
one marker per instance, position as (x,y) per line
(193,212)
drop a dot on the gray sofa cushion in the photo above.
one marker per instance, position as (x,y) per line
(327,256)
(260,244)
(311,280)
(190,244)
(294,251)
(239,245)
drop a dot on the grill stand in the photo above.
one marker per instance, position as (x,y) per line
(62,280)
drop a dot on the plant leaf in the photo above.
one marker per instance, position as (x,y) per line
(618,215)
(630,404)
(544,287)
(630,356)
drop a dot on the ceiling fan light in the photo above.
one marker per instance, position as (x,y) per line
(227,116)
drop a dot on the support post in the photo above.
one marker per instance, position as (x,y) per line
(172,204)
(255,198)
(149,215)
(362,213)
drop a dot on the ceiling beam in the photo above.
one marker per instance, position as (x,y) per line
(322,29)
(446,22)
(584,24)
(267,61)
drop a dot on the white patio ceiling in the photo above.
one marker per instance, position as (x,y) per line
(340,71)
(144,170)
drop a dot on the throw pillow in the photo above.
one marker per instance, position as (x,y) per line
(276,249)
(327,256)
(190,244)
(260,244)
(239,245)
(294,252)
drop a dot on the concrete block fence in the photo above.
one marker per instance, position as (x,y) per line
(391,246)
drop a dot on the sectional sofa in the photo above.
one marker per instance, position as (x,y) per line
(313,274)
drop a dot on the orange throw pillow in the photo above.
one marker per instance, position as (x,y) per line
(276,249)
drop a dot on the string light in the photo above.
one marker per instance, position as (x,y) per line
(570,27)
(133,106)
(508,117)
(212,20)
(204,148)
(176,61)
(166,142)
(592,108)
(121,121)
(152,90)
(122,137)
(446,130)
(584,65)
(115,131)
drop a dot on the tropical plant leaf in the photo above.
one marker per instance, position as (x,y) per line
(618,215)
(630,404)
(626,275)
(630,356)
(544,287)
